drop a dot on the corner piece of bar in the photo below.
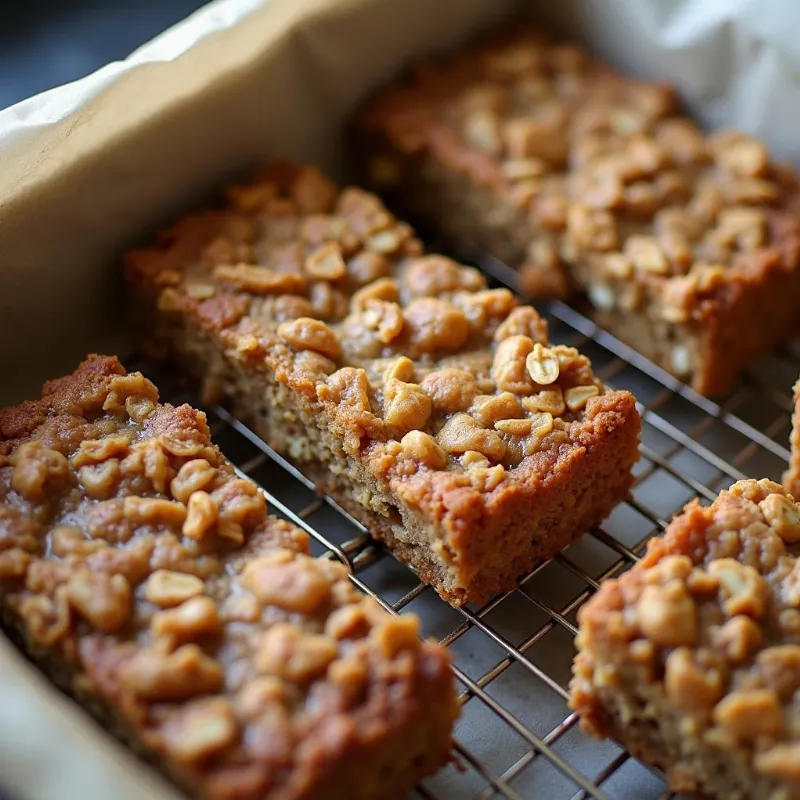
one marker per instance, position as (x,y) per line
(691,660)
(432,408)
(148,581)
(595,184)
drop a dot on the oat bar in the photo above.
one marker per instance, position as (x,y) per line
(691,660)
(432,408)
(148,581)
(594,183)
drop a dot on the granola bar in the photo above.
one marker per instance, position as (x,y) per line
(148,581)
(593,183)
(432,408)
(691,660)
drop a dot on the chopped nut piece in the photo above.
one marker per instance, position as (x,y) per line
(742,589)
(396,634)
(645,253)
(514,427)
(689,686)
(509,367)
(401,369)
(202,512)
(576,397)
(37,467)
(541,424)
(667,615)
(153,511)
(326,263)
(488,409)
(166,588)
(139,408)
(187,672)
(744,157)
(739,637)
(310,334)
(193,476)
(549,400)
(542,365)
(407,406)
(450,390)
(381,289)
(472,458)
(95,451)
(259,280)
(435,326)
(779,669)
(297,657)
(386,319)
(348,622)
(297,587)
(195,618)
(123,387)
(746,715)
(423,447)
(104,601)
(783,515)
(781,761)
(100,480)
(206,727)
(524,321)
(462,433)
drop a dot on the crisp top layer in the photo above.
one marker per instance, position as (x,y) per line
(601,162)
(407,350)
(712,613)
(129,545)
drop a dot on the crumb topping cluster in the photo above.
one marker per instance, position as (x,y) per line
(411,350)
(603,166)
(128,544)
(712,615)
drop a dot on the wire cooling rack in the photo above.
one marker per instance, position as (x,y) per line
(516,737)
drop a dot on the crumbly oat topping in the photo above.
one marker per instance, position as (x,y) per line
(604,167)
(413,349)
(708,620)
(129,547)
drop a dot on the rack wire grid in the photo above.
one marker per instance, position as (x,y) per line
(516,737)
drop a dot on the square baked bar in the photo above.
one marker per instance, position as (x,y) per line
(691,660)
(593,183)
(148,581)
(430,407)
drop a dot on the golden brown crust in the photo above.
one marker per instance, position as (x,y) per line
(420,395)
(592,181)
(692,658)
(149,581)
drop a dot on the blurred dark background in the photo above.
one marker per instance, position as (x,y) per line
(44,43)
